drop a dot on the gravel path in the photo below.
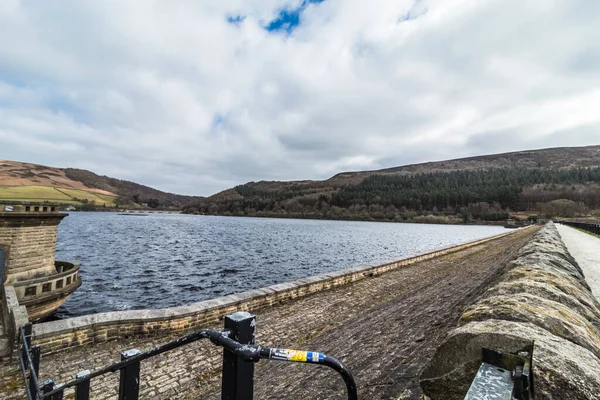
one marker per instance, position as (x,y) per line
(585,249)
(384,329)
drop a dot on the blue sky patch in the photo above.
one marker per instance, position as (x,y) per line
(12,77)
(288,19)
(416,11)
(236,19)
(218,121)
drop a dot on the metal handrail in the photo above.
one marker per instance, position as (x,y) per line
(32,367)
(249,353)
(592,227)
(203,334)
(254,353)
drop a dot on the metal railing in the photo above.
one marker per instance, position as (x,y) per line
(592,227)
(239,355)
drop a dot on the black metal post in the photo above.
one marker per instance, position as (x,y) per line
(27,330)
(237,382)
(49,387)
(129,385)
(60,395)
(35,360)
(82,390)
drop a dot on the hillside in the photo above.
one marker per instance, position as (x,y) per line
(32,182)
(555,158)
(129,190)
(483,187)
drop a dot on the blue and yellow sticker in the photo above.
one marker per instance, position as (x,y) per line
(296,356)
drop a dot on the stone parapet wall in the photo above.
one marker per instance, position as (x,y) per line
(544,299)
(57,335)
(59,283)
(14,316)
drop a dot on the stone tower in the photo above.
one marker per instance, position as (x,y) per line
(28,238)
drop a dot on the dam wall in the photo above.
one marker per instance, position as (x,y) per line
(544,299)
(55,336)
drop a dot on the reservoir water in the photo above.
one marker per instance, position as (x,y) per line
(166,260)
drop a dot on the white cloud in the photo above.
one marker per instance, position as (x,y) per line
(172,95)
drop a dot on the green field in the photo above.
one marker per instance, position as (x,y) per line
(51,194)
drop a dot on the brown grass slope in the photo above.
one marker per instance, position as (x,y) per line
(127,189)
(14,173)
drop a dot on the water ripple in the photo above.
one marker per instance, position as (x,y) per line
(169,260)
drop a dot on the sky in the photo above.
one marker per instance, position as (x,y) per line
(194,97)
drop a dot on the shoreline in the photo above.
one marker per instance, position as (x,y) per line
(478,223)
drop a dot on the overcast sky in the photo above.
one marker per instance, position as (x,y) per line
(197,96)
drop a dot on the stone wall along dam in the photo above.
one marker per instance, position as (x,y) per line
(543,298)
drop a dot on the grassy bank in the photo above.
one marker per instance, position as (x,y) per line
(584,231)
(55,195)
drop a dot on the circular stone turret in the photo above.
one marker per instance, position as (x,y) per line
(27,244)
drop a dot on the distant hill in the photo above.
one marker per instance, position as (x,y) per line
(32,182)
(487,186)
(130,190)
(554,158)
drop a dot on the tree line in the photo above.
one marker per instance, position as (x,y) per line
(479,194)
(462,188)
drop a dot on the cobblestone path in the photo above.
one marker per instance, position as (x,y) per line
(383,328)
